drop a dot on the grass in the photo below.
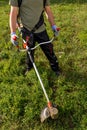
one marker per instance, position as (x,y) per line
(22,99)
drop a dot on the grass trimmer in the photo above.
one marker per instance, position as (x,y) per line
(49,110)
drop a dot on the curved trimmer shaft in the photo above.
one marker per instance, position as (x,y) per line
(49,110)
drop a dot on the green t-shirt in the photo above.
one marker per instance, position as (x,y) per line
(30,12)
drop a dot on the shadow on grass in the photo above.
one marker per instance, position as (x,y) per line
(76,78)
(71,114)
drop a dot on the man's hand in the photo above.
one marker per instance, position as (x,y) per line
(14,39)
(55,30)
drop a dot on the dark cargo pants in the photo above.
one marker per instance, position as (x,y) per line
(46,48)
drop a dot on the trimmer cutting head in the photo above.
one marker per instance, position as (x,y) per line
(49,112)
(45,114)
(53,112)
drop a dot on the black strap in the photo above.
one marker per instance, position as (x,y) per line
(19,3)
(41,19)
(40,22)
(44,3)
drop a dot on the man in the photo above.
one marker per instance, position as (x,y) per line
(31,13)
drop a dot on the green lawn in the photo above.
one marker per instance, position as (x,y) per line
(22,99)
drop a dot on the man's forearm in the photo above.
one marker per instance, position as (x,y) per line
(50,15)
(13,18)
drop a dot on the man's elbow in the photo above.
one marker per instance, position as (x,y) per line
(14,11)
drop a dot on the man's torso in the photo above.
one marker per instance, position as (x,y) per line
(30,12)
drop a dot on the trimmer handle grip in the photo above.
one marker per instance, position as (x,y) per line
(58,29)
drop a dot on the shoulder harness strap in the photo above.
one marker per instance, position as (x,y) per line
(19,3)
(44,3)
